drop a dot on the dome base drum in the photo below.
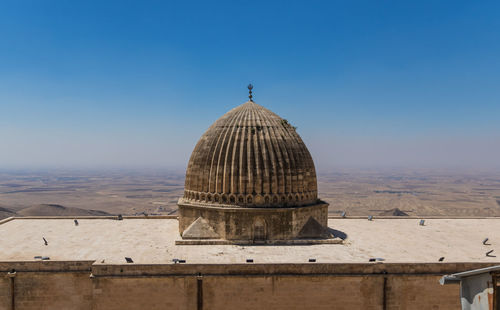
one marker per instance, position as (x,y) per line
(256,225)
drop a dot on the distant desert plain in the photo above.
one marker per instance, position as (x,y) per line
(390,192)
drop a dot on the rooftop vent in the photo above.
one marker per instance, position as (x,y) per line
(376,259)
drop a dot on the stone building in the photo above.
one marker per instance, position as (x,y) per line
(252,179)
(251,234)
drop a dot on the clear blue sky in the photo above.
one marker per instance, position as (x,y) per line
(135,83)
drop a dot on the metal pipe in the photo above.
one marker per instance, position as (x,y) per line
(384,296)
(199,281)
(495,291)
(12,276)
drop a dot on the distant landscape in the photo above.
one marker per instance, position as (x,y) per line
(415,193)
(357,192)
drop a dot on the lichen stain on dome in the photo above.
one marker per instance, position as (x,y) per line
(251,157)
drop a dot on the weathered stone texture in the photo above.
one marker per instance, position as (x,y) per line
(152,293)
(200,229)
(245,286)
(292,292)
(48,290)
(5,292)
(254,223)
(421,292)
(251,157)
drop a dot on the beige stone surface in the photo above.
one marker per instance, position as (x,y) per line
(254,224)
(314,292)
(144,293)
(53,290)
(329,292)
(148,287)
(251,157)
(5,293)
(149,240)
(421,292)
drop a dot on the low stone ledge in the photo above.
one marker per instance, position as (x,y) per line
(264,242)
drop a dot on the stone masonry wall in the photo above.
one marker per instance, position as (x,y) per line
(5,296)
(46,285)
(284,292)
(144,293)
(421,292)
(250,286)
(239,224)
(47,290)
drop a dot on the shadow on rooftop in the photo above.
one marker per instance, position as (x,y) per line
(337,233)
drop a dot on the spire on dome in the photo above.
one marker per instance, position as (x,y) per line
(250,87)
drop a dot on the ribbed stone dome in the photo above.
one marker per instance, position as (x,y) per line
(251,157)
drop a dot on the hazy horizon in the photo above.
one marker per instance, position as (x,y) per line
(134,85)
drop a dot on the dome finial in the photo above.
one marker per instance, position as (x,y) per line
(250,87)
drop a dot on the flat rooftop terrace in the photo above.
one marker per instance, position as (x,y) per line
(152,241)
